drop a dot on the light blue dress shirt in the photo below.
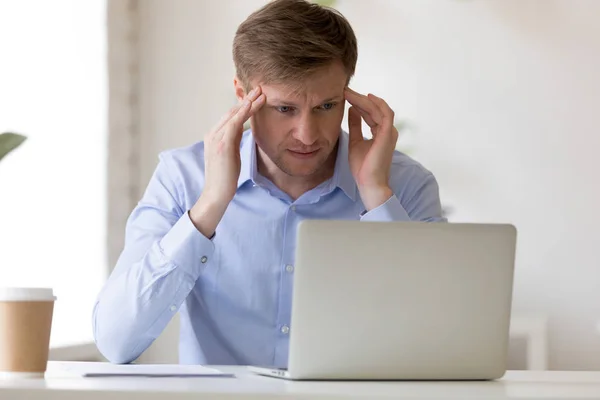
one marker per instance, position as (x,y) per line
(233,292)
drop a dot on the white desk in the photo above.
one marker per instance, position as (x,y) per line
(515,385)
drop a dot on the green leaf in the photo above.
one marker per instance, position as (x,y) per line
(9,142)
(325,3)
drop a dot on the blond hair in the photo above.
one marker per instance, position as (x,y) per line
(286,41)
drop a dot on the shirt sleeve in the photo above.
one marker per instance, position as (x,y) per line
(164,255)
(416,200)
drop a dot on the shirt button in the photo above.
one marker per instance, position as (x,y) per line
(204,259)
(293,208)
(173,308)
(285,329)
(289,268)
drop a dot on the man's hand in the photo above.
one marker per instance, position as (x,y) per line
(370,160)
(222,164)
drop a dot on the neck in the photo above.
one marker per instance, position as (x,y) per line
(294,186)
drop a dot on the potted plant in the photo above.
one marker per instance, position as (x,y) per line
(9,141)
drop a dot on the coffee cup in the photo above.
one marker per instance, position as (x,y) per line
(25,325)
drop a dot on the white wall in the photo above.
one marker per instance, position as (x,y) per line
(505,95)
(52,189)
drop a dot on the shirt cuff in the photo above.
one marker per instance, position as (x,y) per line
(389,211)
(186,247)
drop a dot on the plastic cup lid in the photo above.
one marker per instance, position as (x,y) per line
(26,294)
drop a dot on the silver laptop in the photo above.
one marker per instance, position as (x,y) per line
(400,301)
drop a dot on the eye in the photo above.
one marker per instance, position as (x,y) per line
(284,109)
(328,106)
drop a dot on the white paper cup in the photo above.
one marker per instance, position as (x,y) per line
(25,325)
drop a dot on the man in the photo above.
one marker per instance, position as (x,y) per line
(213,236)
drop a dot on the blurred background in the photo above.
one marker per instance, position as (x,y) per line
(500,100)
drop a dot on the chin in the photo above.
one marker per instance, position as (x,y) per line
(302,173)
(300,169)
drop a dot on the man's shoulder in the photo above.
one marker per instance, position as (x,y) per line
(183,156)
(181,171)
(403,162)
(406,170)
(190,155)
(186,163)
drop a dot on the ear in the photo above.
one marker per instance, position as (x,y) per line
(240,92)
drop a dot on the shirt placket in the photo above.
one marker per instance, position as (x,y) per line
(287,268)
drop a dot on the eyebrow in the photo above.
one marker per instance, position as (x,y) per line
(277,100)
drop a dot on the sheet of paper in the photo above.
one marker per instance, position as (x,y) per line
(93,369)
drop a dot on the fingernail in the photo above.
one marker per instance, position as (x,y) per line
(246,102)
(252,92)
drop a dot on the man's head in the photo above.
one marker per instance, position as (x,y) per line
(303,56)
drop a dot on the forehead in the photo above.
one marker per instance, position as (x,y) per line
(324,84)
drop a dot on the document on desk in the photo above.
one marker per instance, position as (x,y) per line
(100,369)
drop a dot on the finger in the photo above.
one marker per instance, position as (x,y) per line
(365,103)
(234,128)
(252,95)
(366,117)
(388,113)
(354,125)
(388,121)
(227,117)
(258,104)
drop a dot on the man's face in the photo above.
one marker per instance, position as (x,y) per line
(298,129)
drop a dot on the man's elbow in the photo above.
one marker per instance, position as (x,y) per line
(114,345)
(115,349)
(114,353)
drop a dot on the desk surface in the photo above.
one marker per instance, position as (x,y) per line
(59,384)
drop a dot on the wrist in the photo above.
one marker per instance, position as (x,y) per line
(373,197)
(207,213)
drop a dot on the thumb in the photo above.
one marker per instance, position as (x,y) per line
(354,126)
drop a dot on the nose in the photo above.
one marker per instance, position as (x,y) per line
(306,131)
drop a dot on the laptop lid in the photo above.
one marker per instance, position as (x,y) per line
(401,300)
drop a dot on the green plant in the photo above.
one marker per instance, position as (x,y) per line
(326,3)
(10,141)
(403,127)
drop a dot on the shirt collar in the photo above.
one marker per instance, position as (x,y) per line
(248,169)
(342,175)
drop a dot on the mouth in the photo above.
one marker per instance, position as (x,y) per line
(303,154)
